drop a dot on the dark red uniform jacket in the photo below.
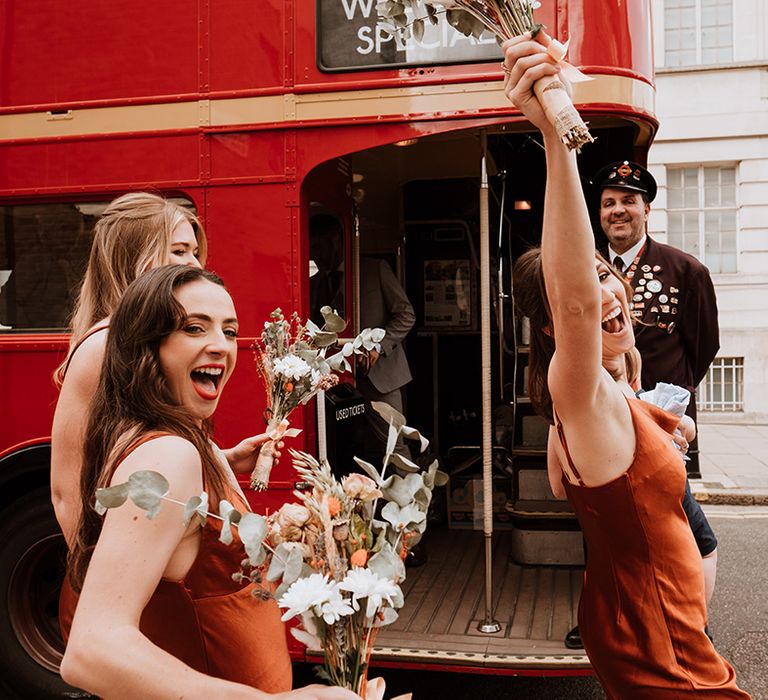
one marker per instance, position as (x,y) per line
(677,334)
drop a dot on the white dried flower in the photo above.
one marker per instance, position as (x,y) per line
(291,367)
(365,583)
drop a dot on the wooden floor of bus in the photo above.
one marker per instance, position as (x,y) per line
(445,601)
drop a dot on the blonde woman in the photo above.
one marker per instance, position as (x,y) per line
(137,232)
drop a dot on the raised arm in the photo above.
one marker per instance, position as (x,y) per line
(590,404)
(568,251)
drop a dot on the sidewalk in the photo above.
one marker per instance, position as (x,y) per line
(734,464)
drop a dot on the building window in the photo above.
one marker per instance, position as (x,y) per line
(723,388)
(698,32)
(701,210)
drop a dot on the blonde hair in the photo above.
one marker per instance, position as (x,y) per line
(132,236)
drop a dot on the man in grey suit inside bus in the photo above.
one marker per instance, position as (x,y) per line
(383,304)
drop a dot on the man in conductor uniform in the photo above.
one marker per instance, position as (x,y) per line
(675,312)
(675,315)
(674,301)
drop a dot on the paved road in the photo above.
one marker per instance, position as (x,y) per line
(739,610)
(738,614)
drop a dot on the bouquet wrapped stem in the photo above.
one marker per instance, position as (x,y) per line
(561,113)
(266,460)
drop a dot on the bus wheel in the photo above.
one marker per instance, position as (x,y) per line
(33,552)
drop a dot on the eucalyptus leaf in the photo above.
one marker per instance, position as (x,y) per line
(387,564)
(433,477)
(309,640)
(146,489)
(252,529)
(112,497)
(423,497)
(333,322)
(401,490)
(312,328)
(294,565)
(386,617)
(281,590)
(391,440)
(403,463)
(283,558)
(387,29)
(401,518)
(196,504)
(389,414)
(369,469)
(324,339)
(338,363)
(230,516)
(413,434)
(418,29)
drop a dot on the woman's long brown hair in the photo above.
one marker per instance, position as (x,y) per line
(530,294)
(133,398)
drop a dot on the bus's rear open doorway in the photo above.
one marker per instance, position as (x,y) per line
(417,206)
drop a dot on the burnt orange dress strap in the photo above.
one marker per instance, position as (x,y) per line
(92,331)
(564,443)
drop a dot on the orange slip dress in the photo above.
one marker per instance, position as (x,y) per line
(207,620)
(642,611)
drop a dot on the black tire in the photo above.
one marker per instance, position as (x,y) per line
(32,555)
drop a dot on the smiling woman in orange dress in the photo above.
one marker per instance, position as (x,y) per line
(159,614)
(642,612)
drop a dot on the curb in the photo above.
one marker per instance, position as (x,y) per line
(732,497)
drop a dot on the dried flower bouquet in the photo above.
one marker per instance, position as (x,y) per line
(337,558)
(506,19)
(291,360)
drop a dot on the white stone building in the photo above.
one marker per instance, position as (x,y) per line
(710,159)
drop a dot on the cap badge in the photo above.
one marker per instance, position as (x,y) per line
(624,170)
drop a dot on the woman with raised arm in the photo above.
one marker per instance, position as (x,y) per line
(137,232)
(642,611)
(159,614)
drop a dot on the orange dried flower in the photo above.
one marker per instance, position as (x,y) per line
(288,387)
(359,558)
(334,506)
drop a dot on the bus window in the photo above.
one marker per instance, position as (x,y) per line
(43,254)
(326,265)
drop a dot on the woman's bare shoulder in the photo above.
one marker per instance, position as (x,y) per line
(85,363)
(173,456)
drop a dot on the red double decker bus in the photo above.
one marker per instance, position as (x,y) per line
(260,116)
